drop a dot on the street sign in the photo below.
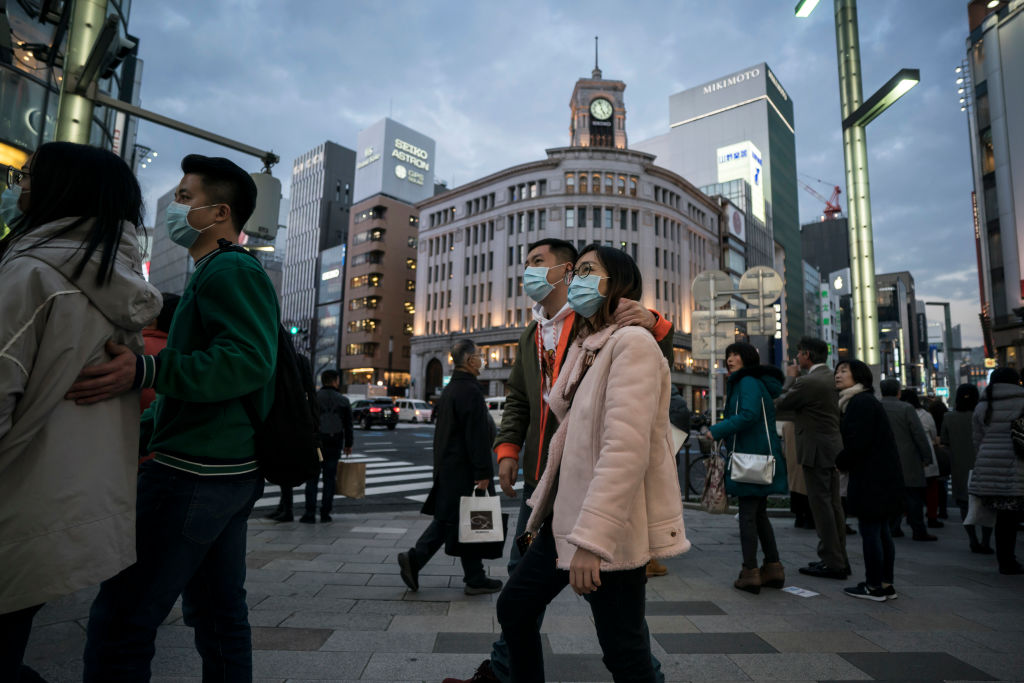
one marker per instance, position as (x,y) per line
(765,323)
(761,286)
(942,391)
(703,283)
(702,339)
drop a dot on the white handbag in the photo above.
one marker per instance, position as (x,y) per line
(480,519)
(753,468)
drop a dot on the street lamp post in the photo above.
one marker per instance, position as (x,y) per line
(856,115)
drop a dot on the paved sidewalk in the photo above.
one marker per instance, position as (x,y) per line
(327,604)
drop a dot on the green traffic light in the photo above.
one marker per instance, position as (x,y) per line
(294,329)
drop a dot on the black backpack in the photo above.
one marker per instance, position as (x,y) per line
(287,441)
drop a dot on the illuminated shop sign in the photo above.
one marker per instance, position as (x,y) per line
(742,161)
(729,81)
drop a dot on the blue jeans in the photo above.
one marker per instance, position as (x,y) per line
(191,535)
(617,606)
(879,552)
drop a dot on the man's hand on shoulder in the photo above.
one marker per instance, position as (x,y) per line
(99,382)
(630,312)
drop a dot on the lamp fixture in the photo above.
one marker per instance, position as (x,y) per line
(884,97)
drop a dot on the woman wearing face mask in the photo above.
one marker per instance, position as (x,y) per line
(749,427)
(609,498)
(71,272)
(875,492)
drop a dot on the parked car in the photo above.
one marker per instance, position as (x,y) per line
(413,410)
(496,406)
(375,411)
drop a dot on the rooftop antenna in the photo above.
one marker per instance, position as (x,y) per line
(596,73)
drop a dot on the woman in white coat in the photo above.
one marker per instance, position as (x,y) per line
(71,269)
(609,499)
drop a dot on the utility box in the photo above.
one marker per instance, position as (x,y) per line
(263,222)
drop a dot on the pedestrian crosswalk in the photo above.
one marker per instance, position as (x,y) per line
(383,477)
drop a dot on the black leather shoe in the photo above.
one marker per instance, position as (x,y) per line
(308,518)
(823,572)
(408,573)
(284,516)
(326,517)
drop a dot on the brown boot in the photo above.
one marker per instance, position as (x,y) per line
(773,575)
(750,580)
(655,568)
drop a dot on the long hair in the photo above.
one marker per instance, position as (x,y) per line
(747,352)
(86,183)
(998,376)
(624,282)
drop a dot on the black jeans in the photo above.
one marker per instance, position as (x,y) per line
(431,540)
(14,631)
(754,526)
(329,469)
(879,552)
(617,607)
(1006,537)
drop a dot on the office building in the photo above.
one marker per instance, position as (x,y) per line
(994,61)
(474,238)
(395,170)
(318,219)
(741,126)
(902,329)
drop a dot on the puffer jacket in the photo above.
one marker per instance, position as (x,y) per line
(611,484)
(997,469)
(67,472)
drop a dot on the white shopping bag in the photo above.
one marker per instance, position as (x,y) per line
(480,519)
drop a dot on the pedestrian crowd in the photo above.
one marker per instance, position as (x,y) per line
(154,507)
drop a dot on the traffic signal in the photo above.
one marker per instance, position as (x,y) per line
(294,329)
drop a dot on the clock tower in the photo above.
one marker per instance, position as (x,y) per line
(598,116)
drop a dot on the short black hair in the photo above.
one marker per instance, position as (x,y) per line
(909,395)
(889,387)
(163,321)
(967,397)
(329,377)
(225,182)
(816,348)
(861,374)
(747,353)
(560,248)
(461,351)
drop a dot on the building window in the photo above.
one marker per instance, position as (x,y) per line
(597,217)
(367,349)
(609,183)
(570,218)
(541,219)
(530,221)
(635,219)
(622,185)
(633,248)
(363,302)
(410,285)
(608,218)
(374,235)
(583,183)
(364,325)
(570,183)
(369,280)
(595,183)
(410,263)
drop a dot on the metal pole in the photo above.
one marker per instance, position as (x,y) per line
(855,153)
(713,319)
(74,111)
(951,382)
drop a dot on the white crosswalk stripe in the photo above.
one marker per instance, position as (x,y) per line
(383,477)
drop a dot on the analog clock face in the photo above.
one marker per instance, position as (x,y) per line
(601,109)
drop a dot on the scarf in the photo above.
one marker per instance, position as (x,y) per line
(846,394)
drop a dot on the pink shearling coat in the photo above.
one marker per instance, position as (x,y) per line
(611,479)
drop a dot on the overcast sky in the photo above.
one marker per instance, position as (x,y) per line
(490,82)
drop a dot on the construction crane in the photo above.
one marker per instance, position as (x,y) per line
(831,204)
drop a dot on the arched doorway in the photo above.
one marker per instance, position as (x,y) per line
(434,379)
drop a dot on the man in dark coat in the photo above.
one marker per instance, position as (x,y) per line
(811,402)
(915,454)
(462,463)
(335,435)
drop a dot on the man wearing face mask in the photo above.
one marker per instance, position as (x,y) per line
(195,495)
(527,423)
(462,462)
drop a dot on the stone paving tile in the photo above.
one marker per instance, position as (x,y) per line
(326,578)
(1005,641)
(819,641)
(687,607)
(704,667)
(712,643)
(174,635)
(318,565)
(268,617)
(577,667)
(396,580)
(398,607)
(557,623)
(671,624)
(1004,667)
(929,621)
(289,638)
(464,607)
(435,594)
(791,665)
(316,665)
(999,618)
(380,641)
(361,592)
(257,591)
(319,603)
(336,621)
(468,623)
(737,623)
(937,666)
(571,643)
(419,667)
(262,575)
(177,661)
(930,641)
(829,622)
(479,643)
(371,568)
